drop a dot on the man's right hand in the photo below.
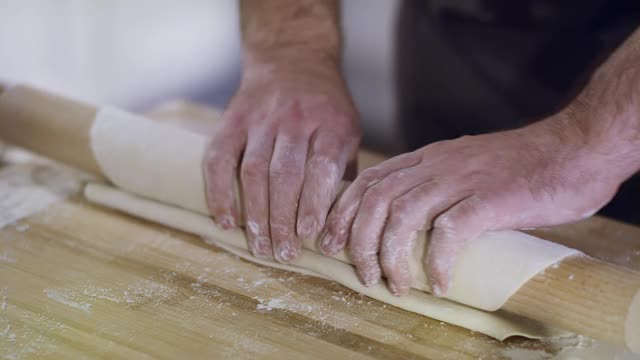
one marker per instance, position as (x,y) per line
(292,129)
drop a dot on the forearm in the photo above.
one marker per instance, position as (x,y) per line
(605,116)
(285,28)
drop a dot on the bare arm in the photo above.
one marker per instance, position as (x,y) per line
(286,27)
(606,114)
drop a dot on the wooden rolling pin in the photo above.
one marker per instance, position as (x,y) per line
(580,294)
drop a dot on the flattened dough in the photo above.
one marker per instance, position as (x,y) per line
(163,162)
(499,325)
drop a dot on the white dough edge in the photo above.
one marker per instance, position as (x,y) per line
(499,325)
(156,160)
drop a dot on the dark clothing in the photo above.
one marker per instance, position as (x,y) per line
(478,66)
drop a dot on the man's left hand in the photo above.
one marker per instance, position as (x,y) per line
(540,175)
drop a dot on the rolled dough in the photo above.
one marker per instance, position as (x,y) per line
(499,324)
(163,162)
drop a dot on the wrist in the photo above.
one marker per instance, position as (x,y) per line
(290,65)
(291,57)
(594,142)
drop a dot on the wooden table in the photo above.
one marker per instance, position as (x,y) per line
(79,281)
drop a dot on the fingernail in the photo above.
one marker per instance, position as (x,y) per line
(326,243)
(260,247)
(393,289)
(308,227)
(286,252)
(226,221)
(436,290)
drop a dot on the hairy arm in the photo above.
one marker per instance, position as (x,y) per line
(287,27)
(606,114)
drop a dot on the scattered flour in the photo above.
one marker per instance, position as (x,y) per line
(245,345)
(3,299)
(525,354)
(26,189)
(271,304)
(340,298)
(99,293)
(26,342)
(581,347)
(576,347)
(261,282)
(5,256)
(304,305)
(286,302)
(66,298)
(138,293)
(144,291)
(22,227)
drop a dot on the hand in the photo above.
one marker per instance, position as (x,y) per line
(294,125)
(540,175)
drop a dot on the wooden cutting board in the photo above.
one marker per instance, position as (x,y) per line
(79,281)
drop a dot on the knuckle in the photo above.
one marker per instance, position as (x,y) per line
(336,224)
(329,142)
(474,207)
(284,171)
(360,257)
(399,207)
(447,220)
(232,114)
(342,117)
(219,159)
(293,122)
(326,166)
(254,168)
(280,230)
(462,214)
(367,176)
(322,160)
(396,246)
(410,158)
(374,195)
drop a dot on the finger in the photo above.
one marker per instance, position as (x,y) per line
(324,170)
(254,175)
(220,164)
(340,219)
(409,214)
(452,229)
(286,176)
(371,217)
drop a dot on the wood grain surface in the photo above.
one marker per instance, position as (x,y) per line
(78,281)
(88,281)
